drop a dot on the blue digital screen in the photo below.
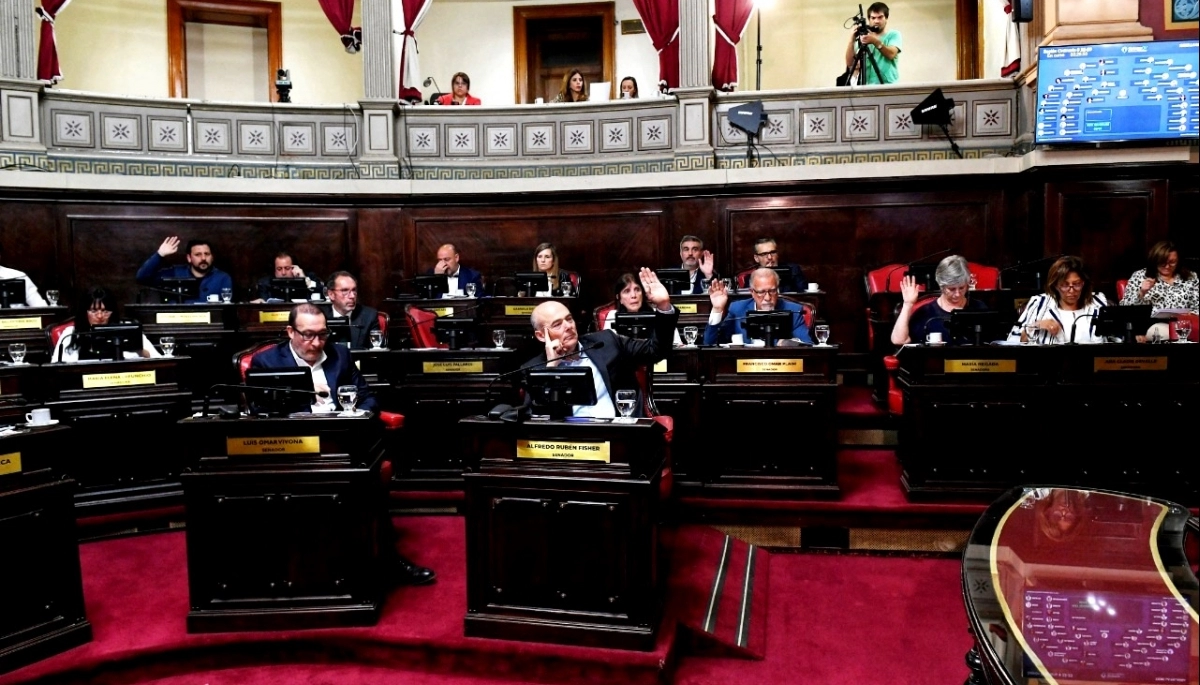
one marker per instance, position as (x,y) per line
(1118,92)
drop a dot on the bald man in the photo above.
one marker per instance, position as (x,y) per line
(614,359)
(457,275)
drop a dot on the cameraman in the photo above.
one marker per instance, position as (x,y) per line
(882,47)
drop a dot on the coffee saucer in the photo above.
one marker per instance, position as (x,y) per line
(937,344)
(51,422)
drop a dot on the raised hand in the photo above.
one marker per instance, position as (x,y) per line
(909,290)
(169,246)
(718,296)
(655,291)
(706,264)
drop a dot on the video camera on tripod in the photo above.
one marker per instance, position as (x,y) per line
(861,27)
(862,58)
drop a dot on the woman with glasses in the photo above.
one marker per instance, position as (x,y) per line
(545,260)
(916,321)
(95,308)
(574,88)
(1065,312)
(460,87)
(1165,282)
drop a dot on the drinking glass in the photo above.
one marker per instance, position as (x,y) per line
(498,337)
(167,343)
(17,352)
(1183,328)
(227,295)
(376,337)
(974,281)
(728,284)
(52,298)
(822,332)
(689,335)
(565,288)
(470,290)
(347,396)
(626,401)
(1031,334)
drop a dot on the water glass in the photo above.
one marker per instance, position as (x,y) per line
(52,298)
(1183,329)
(17,352)
(376,337)
(689,335)
(167,343)
(565,288)
(498,337)
(626,401)
(822,333)
(1031,334)
(227,295)
(470,290)
(974,281)
(728,284)
(347,396)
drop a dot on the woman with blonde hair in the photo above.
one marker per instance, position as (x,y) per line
(545,259)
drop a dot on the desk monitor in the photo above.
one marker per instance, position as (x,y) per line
(635,324)
(786,284)
(558,389)
(676,281)
(454,331)
(532,282)
(1124,322)
(279,391)
(179,290)
(431,286)
(12,291)
(339,330)
(924,275)
(978,327)
(111,341)
(770,326)
(289,289)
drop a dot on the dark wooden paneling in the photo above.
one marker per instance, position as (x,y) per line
(29,243)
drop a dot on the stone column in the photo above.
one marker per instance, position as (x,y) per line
(379,86)
(19,40)
(695,91)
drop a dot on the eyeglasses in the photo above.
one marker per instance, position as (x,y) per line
(309,336)
(766,254)
(100,312)
(770,291)
(1070,286)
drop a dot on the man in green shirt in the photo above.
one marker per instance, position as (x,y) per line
(882,48)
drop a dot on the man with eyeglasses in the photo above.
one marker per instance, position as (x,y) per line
(766,256)
(764,297)
(286,267)
(343,305)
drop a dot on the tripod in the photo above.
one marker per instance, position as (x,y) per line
(860,60)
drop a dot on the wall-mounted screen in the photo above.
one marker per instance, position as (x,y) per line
(1118,92)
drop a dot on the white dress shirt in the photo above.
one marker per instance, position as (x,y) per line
(320,405)
(32,298)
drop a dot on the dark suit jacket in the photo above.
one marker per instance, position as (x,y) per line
(263,287)
(737,314)
(619,357)
(363,320)
(468,275)
(339,370)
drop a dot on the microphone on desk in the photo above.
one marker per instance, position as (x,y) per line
(179,297)
(323,394)
(506,412)
(1075,324)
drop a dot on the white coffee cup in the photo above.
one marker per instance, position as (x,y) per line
(933,338)
(736,339)
(814,287)
(38,417)
(538,101)
(214,298)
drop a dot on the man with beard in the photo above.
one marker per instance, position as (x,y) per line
(343,305)
(699,263)
(766,256)
(199,266)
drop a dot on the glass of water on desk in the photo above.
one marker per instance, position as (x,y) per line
(167,343)
(498,338)
(347,396)
(376,337)
(626,401)
(1183,329)
(689,335)
(470,290)
(822,333)
(52,298)
(17,352)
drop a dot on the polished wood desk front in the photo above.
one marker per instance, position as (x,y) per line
(41,609)
(564,548)
(28,325)
(1070,586)
(283,519)
(978,420)
(19,391)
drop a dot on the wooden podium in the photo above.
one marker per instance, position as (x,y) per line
(283,519)
(562,531)
(41,609)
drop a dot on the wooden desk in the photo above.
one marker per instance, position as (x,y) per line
(28,325)
(19,386)
(41,609)
(1081,586)
(205,332)
(260,322)
(558,549)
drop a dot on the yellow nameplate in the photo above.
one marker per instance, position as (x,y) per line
(549,449)
(1130,364)
(689,308)
(518,309)
(452,367)
(770,366)
(291,444)
(23,323)
(442,311)
(661,367)
(980,366)
(183,317)
(119,380)
(10,463)
(274,317)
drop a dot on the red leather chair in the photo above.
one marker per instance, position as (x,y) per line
(891,364)
(54,333)
(599,314)
(986,277)
(810,313)
(420,323)
(1122,283)
(742,279)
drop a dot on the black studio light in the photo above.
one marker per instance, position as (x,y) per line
(936,110)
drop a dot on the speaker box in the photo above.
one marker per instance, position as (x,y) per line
(1022,11)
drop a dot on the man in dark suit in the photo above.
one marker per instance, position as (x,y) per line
(766,255)
(458,275)
(698,261)
(613,358)
(343,304)
(764,297)
(330,368)
(286,267)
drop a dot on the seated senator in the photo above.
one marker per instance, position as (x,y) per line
(458,276)
(1065,312)
(199,266)
(914,322)
(286,267)
(628,296)
(330,366)
(32,297)
(764,297)
(545,259)
(614,359)
(343,303)
(1165,282)
(94,308)
(460,86)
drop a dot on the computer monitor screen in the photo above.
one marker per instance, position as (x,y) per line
(674,280)
(1117,92)
(339,330)
(635,324)
(770,326)
(279,391)
(431,286)
(786,284)
(532,282)
(978,327)
(178,290)
(454,331)
(1124,322)
(556,390)
(289,289)
(12,291)
(110,341)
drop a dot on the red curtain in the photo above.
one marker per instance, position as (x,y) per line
(339,13)
(47,49)
(730,19)
(410,70)
(1012,44)
(661,18)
